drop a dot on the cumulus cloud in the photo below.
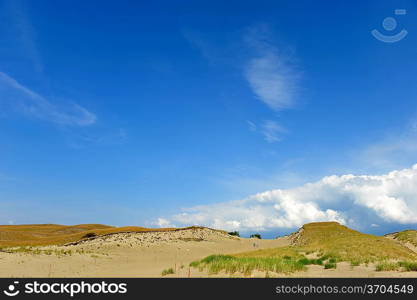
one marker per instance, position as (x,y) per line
(32,104)
(270,75)
(354,200)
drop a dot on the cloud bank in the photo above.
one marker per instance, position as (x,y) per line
(354,200)
(24,100)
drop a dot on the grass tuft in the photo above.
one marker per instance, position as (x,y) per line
(168,272)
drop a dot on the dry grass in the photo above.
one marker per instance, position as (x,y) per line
(325,243)
(333,240)
(406,236)
(52,234)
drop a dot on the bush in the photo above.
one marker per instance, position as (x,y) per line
(235,233)
(330,265)
(256,235)
(306,261)
(89,235)
(168,271)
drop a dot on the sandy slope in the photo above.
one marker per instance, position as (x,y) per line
(146,254)
(130,254)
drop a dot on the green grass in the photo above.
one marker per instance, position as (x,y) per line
(246,265)
(408,266)
(354,263)
(168,272)
(330,265)
(405,266)
(387,266)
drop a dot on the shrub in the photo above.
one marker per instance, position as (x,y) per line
(235,233)
(168,271)
(306,261)
(256,235)
(330,265)
(89,235)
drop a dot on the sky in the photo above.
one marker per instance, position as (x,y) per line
(255,116)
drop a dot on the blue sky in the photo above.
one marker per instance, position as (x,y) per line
(174,112)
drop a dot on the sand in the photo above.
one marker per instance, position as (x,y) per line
(147,254)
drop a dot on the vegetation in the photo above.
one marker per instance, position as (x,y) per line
(256,235)
(235,233)
(245,265)
(407,236)
(331,240)
(397,266)
(330,265)
(168,272)
(89,235)
(324,243)
(387,266)
(52,234)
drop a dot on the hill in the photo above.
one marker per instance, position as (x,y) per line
(345,244)
(321,243)
(53,234)
(407,238)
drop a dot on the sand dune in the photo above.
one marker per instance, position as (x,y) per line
(132,254)
(148,253)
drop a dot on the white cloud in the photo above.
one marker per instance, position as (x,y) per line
(163,223)
(270,75)
(355,200)
(32,104)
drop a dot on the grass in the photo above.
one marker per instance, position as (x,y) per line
(52,234)
(39,251)
(339,243)
(405,266)
(168,272)
(330,265)
(328,242)
(409,236)
(246,265)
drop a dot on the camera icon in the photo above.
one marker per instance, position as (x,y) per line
(11,290)
(390,24)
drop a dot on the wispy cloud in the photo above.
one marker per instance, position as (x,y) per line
(272,131)
(272,78)
(25,32)
(397,149)
(355,200)
(34,105)
(252,126)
